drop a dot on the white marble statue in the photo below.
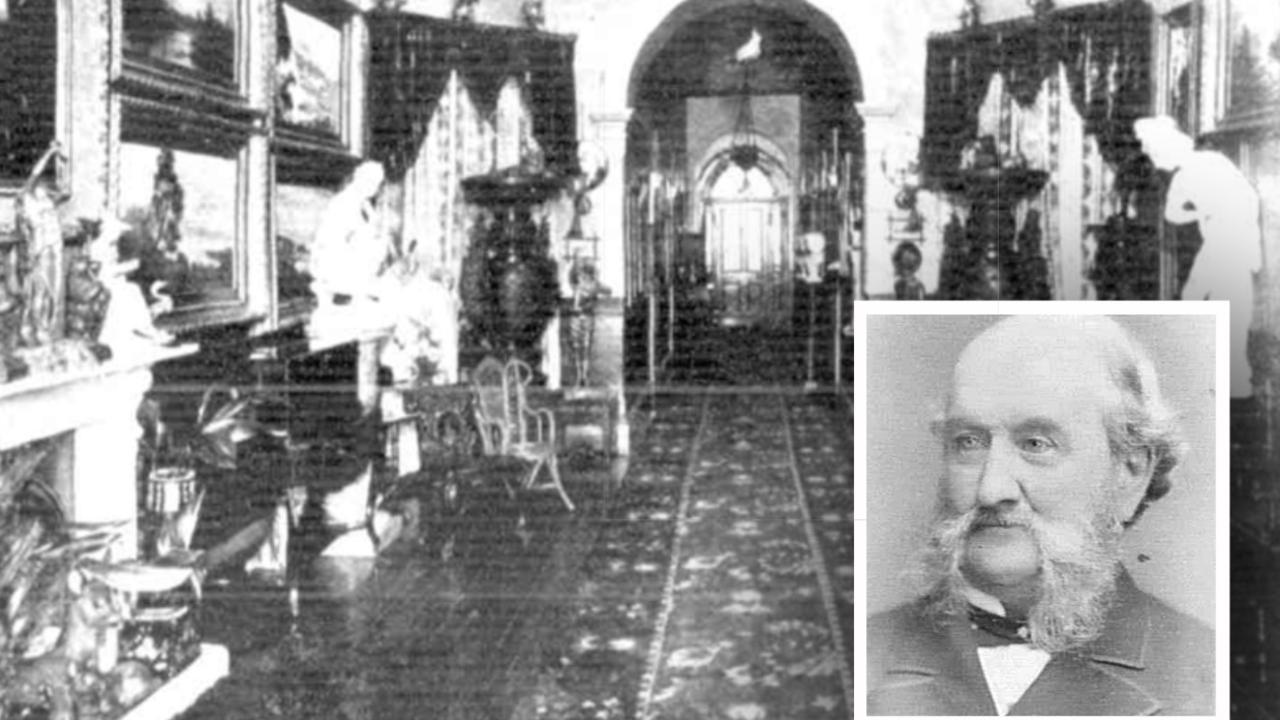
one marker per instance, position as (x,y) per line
(1208,189)
(127,326)
(349,253)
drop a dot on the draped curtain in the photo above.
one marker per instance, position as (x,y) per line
(412,61)
(1064,91)
(1104,48)
(460,141)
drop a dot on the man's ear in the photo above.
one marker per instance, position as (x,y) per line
(1136,470)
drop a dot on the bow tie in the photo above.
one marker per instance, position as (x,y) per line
(997,630)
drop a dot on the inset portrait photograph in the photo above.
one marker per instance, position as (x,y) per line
(1045,527)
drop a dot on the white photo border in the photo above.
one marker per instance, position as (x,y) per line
(1222,502)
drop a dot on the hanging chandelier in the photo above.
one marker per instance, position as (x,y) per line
(742,149)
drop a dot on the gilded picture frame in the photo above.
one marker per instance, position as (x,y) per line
(1249,87)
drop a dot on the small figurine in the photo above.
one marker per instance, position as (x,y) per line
(87,295)
(41,231)
(533,14)
(127,323)
(583,278)
(162,260)
(286,69)
(812,255)
(906,263)
(464,10)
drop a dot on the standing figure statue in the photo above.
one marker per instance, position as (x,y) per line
(584,280)
(44,282)
(1208,189)
(349,251)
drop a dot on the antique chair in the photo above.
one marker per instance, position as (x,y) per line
(509,427)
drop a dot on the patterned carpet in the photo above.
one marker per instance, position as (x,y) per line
(721,584)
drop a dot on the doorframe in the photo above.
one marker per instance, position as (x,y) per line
(785,249)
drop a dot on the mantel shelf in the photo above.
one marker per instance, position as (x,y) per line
(116,366)
(42,406)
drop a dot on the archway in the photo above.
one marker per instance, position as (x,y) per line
(685,89)
(746,219)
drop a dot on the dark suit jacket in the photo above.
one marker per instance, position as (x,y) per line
(1150,660)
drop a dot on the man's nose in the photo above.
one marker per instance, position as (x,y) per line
(998,485)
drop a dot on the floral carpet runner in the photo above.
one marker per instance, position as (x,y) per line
(722,584)
(751,631)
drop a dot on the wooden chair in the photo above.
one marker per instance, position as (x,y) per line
(510,427)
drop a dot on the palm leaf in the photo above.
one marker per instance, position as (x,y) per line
(13,477)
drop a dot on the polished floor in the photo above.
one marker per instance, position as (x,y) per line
(709,575)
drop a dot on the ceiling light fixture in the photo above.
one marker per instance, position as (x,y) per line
(742,150)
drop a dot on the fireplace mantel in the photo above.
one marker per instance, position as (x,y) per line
(95,471)
(42,406)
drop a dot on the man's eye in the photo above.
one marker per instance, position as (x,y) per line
(966,443)
(1037,445)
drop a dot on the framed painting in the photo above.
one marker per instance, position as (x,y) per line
(28,85)
(1251,66)
(186,211)
(310,80)
(313,76)
(1179,51)
(189,48)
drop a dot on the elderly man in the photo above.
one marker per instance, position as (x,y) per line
(1048,457)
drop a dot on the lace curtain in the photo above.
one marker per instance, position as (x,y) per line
(460,141)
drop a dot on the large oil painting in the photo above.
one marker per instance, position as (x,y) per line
(183,208)
(1253,61)
(28,84)
(309,75)
(191,37)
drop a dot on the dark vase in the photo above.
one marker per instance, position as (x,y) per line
(527,297)
(509,285)
(475,288)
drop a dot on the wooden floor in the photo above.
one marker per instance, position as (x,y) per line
(466,618)
(442,626)
(452,623)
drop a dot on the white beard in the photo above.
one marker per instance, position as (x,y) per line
(1079,563)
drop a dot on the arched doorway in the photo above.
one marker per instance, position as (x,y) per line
(747,220)
(686,90)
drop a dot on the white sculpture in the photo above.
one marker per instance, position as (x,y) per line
(128,323)
(1208,189)
(349,252)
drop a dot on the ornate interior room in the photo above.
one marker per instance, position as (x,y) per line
(495,358)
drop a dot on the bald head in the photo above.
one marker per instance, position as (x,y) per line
(1078,351)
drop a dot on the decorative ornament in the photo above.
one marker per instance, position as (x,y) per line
(1040,8)
(593,167)
(533,14)
(464,10)
(743,151)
